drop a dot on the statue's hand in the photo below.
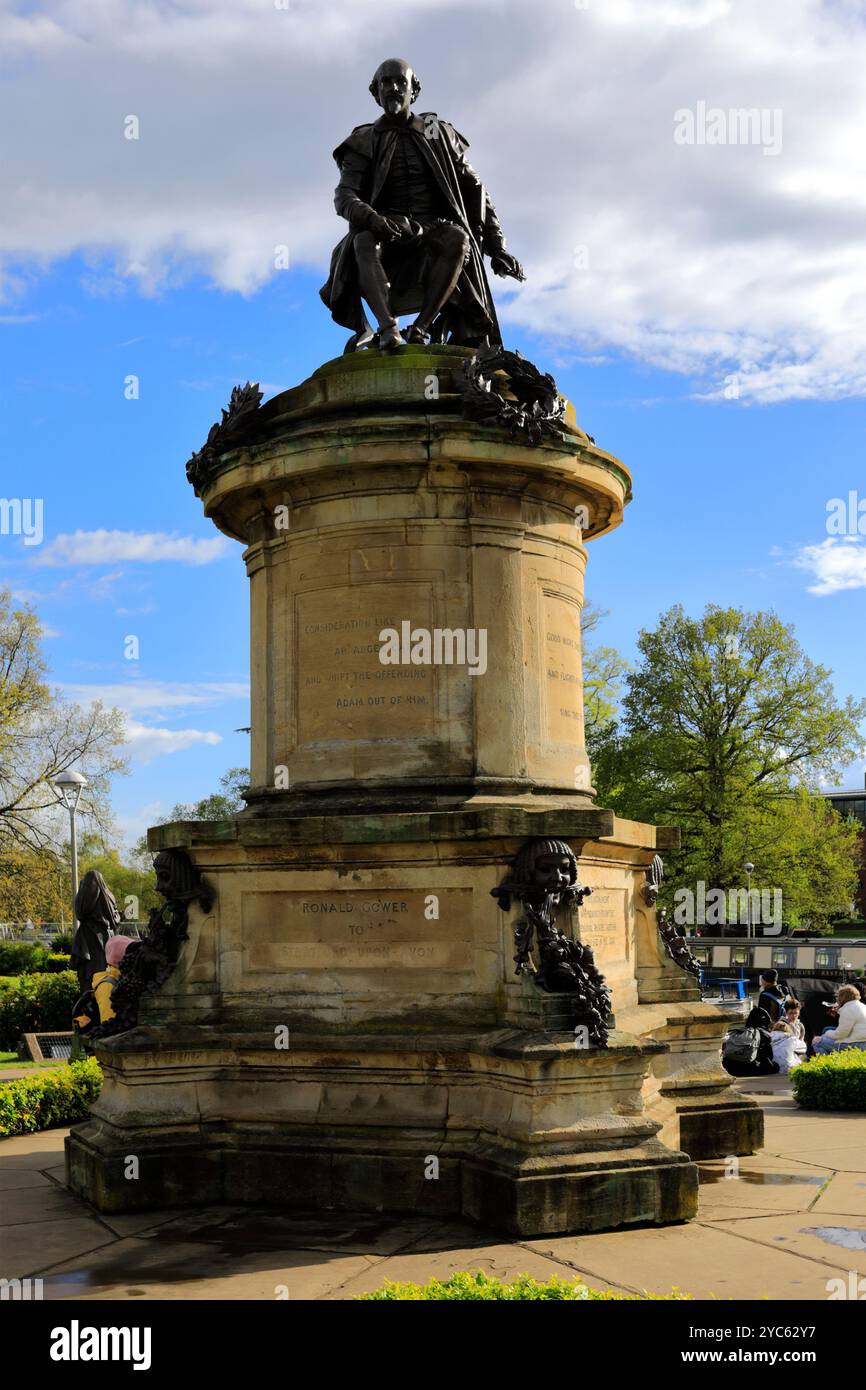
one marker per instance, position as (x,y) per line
(503,263)
(389,227)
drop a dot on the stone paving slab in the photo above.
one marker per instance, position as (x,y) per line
(842,1159)
(504,1261)
(17,1073)
(761,1182)
(129,1269)
(20,1177)
(34,1246)
(718,1215)
(836,1241)
(47,1202)
(845,1194)
(266,1228)
(702,1259)
(35,1151)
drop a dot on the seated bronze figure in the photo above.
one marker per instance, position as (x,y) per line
(420,224)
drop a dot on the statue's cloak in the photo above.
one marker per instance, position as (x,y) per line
(364,160)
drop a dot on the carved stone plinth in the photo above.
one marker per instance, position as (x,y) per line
(508,1128)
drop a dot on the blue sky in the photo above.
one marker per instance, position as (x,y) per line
(697,271)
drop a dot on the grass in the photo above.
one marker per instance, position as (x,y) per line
(11,1059)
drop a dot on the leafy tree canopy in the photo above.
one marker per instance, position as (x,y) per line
(725,724)
(41,735)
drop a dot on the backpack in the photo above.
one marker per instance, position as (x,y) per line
(85,1015)
(742,1046)
(771,1001)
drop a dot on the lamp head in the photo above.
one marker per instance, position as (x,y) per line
(69,786)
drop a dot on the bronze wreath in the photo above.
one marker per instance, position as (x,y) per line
(227,433)
(537,409)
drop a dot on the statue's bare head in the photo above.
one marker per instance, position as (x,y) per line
(395,86)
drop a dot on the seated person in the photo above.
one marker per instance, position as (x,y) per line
(748,1050)
(851,1029)
(784,1045)
(770,997)
(95,1005)
(791,1016)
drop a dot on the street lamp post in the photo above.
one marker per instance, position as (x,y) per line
(749,868)
(68,787)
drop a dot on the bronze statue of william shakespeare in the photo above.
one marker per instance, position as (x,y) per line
(420,223)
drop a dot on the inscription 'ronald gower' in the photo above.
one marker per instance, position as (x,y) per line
(377,907)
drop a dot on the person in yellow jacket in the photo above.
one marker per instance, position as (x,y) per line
(103,982)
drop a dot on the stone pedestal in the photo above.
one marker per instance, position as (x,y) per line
(345,1029)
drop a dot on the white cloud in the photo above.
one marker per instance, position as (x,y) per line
(157,697)
(704,260)
(162,700)
(837,563)
(138,547)
(144,743)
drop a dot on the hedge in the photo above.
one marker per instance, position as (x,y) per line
(480,1287)
(834,1082)
(51,1098)
(28,957)
(37,1004)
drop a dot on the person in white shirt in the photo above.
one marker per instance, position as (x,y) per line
(791,1016)
(785,1047)
(851,1030)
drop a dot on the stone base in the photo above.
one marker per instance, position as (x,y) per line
(688,1091)
(721,1129)
(344,1029)
(518,1132)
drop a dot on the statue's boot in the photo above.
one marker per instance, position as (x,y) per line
(362,339)
(390,338)
(417,335)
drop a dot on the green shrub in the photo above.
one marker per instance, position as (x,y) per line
(53,962)
(28,957)
(62,943)
(16,957)
(834,1082)
(52,1098)
(37,1004)
(480,1287)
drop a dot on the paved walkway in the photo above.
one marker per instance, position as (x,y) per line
(13,1073)
(791,1219)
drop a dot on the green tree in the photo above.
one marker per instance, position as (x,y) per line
(725,723)
(42,735)
(799,846)
(603,673)
(219,805)
(34,886)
